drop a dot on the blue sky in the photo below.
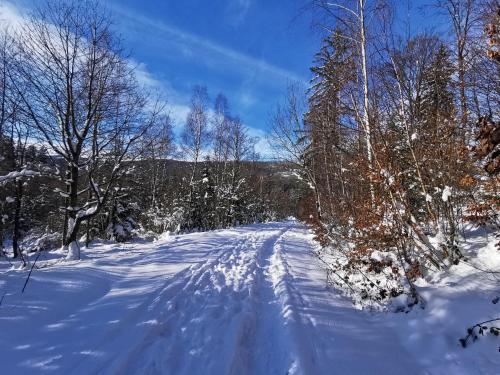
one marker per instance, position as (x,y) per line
(247,49)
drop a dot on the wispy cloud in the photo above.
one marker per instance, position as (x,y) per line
(14,17)
(188,42)
(262,146)
(177,104)
(178,108)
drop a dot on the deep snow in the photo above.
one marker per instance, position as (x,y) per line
(249,300)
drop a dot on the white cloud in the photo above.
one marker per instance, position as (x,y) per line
(11,16)
(247,99)
(262,146)
(178,107)
(178,113)
(15,17)
(177,104)
(145,77)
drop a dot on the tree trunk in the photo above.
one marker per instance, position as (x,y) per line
(366,117)
(73,222)
(463,98)
(66,205)
(17,220)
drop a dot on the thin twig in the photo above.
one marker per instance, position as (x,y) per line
(31,270)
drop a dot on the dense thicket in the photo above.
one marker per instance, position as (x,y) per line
(389,141)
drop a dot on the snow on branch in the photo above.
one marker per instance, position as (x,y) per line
(12,176)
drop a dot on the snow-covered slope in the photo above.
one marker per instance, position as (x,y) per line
(250,300)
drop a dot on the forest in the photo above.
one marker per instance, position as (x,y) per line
(87,152)
(396,137)
(383,190)
(393,142)
(398,141)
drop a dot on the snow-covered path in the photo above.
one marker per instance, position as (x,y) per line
(249,300)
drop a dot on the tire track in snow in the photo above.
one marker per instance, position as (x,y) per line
(291,302)
(278,345)
(224,316)
(263,345)
(150,314)
(209,297)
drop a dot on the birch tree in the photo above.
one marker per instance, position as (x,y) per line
(351,21)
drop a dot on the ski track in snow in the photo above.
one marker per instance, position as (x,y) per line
(248,300)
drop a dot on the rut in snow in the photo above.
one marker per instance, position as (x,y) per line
(264,344)
(220,317)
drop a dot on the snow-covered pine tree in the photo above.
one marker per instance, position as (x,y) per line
(122,216)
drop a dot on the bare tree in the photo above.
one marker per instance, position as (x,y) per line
(6,108)
(13,139)
(195,135)
(158,147)
(220,135)
(464,16)
(290,140)
(5,114)
(81,97)
(241,147)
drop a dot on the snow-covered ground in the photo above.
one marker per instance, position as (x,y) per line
(249,300)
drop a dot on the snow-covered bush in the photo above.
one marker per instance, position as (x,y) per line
(160,221)
(36,240)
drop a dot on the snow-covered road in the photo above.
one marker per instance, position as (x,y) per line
(249,300)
